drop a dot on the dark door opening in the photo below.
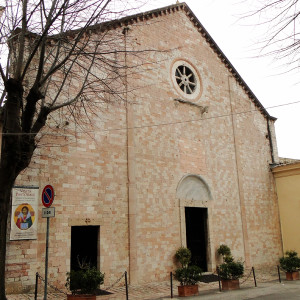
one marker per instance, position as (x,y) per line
(84,246)
(196,235)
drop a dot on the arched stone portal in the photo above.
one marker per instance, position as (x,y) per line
(195,201)
(193,187)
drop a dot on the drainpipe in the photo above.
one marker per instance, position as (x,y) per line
(270,141)
(131,191)
(239,185)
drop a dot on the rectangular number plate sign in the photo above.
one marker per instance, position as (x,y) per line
(48,212)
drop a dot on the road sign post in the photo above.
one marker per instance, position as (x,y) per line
(46,259)
(48,195)
(48,212)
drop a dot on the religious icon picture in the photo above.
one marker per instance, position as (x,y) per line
(24,216)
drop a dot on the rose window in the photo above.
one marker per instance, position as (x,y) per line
(185,79)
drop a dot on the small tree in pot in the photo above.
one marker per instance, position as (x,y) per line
(187,275)
(290,263)
(84,283)
(230,270)
(224,251)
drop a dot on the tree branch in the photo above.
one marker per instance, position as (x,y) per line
(21,41)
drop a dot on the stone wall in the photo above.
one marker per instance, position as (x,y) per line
(124,173)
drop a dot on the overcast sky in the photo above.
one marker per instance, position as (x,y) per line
(238,38)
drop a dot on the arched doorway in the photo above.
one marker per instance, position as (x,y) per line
(195,198)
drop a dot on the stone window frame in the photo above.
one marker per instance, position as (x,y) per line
(186,79)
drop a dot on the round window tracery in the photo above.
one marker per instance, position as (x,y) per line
(186,79)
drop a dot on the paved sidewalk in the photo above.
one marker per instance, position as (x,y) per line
(289,290)
(265,291)
(268,288)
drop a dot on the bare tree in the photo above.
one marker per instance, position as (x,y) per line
(51,60)
(281,23)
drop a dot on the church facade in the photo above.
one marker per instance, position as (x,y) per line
(184,161)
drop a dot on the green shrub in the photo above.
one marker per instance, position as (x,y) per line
(290,262)
(224,250)
(84,281)
(183,256)
(228,259)
(188,275)
(231,270)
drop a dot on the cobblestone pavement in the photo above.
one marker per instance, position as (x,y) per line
(159,290)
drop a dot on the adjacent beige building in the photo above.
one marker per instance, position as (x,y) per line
(287,177)
(184,162)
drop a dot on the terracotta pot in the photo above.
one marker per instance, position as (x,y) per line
(292,275)
(230,284)
(81,297)
(187,290)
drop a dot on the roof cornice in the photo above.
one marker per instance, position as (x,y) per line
(286,170)
(226,62)
(184,7)
(129,20)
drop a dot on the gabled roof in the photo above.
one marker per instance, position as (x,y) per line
(156,13)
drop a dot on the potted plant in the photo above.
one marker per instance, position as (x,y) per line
(230,270)
(187,275)
(224,251)
(290,263)
(84,283)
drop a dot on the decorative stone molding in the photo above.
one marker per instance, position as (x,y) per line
(193,187)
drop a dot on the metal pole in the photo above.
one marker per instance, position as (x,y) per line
(171,281)
(278,269)
(46,259)
(126,284)
(254,276)
(36,285)
(220,289)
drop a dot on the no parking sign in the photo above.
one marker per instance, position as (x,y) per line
(47,200)
(48,195)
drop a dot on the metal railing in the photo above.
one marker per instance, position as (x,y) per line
(38,276)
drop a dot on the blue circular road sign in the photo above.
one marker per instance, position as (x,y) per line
(48,195)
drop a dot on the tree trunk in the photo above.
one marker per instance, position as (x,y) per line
(9,170)
(17,147)
(5,192)
(4,210)
(7,179)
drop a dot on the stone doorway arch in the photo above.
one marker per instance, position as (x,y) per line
(195,205)
(194,188)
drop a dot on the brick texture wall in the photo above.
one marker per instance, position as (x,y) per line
(124,172)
